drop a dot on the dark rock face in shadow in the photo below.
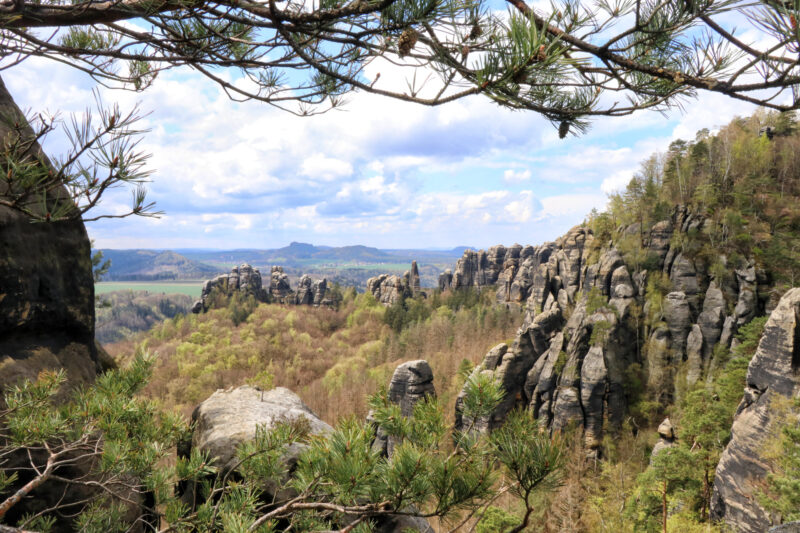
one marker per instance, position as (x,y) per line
(46,289)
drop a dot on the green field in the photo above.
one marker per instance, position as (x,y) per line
(192,288)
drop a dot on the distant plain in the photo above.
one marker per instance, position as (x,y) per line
(189,287)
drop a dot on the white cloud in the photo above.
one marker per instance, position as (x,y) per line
(383,172)
(575,205)
(516,176)
(617,181)
(326,168)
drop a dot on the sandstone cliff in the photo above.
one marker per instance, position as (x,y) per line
(247,282)
(588,322)
(773,374)
(390,289)
(46,290)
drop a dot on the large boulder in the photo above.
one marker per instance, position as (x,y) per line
(772,377)
(666,434)
(230,417)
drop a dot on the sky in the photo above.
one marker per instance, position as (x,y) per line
(380,173)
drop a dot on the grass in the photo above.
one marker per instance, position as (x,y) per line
(190,288)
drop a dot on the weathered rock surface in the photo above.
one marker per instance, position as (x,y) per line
(576,360)
(390,289)
(46,289)
(47,322)
(666,434)
(230,417)
(244,280)
(411,382)
(310,292)
(445,280)
(772,375)
(791,527)
(279,287)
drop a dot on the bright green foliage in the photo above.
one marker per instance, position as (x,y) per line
(496,520)
(132,435)
(670,477)
(595,301)
(783,495)
(240,307)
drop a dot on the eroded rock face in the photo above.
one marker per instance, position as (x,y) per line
(772,375)
(244,280)
(411,382)
(280,290)
(310,292)
(509,367)
(666,433)
(46,290)
(576,360)
(390,289)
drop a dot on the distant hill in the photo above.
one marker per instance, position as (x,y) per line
(146,265)
(298,255)
(345,264)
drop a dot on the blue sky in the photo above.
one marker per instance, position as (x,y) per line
(380,173)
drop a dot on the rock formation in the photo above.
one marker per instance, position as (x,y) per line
(772,376)
(310,292)
(46,289)
(47,322)
(390,289)
(279,286)
(229,417)
(411,382)
(246,281)
(666,435)
(587,323)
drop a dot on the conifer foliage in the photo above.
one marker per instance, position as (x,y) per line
(341,482)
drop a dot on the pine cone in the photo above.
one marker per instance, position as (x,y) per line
(406,42)
(475,32)
(563,129)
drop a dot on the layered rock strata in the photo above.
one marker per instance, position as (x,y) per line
(773,378)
